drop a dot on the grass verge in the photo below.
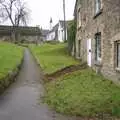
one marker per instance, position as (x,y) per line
(10,56)
(83,93)
(52,57)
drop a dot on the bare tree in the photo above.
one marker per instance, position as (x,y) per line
(15,11)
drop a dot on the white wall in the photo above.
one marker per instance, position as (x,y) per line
(61,34)
(51,36)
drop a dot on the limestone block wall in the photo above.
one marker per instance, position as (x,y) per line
(108,23)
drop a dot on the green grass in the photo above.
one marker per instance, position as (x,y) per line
(10,57)
(83,93)
(52,57)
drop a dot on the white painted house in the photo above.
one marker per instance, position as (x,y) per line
(57,32)
(53,33)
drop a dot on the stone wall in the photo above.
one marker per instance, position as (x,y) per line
(5,38)
(22,38)
(24,33)
(108,23)
(31,39)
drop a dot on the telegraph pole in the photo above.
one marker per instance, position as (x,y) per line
(64,21)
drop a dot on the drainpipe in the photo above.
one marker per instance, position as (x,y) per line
(64,21)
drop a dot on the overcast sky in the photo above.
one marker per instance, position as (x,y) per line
(42,10)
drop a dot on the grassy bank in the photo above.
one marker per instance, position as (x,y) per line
(52,57)
(10,57)
(83,93)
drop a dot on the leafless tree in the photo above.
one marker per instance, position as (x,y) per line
(15,11)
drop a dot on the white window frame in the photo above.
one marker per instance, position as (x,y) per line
(79,18)
(118,54)
(98,6)
(79,48)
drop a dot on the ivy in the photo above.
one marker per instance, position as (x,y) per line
(71,35)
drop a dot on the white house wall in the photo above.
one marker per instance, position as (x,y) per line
(60,33)
(51,36)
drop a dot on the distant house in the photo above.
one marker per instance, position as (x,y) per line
(61,31)
(44,33)
(57,32)
(98,35)
(28,34)
(53,33)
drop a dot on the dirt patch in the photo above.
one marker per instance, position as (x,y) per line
(64,71)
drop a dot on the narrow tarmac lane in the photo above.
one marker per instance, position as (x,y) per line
(22,100)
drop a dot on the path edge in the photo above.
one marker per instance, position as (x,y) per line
(37,62)
(56,74)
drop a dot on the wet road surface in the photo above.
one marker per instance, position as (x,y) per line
(23,100)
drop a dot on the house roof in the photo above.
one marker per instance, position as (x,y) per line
(57,25)
(54,28)
(24,30)
(61,23)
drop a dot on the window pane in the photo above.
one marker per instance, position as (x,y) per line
(98,5)
(79,46)
(79,19)
(98,46)
(118,55)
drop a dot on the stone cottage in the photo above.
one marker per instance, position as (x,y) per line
(27,33)
(98,35)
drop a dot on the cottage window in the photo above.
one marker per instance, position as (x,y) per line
(97,6)
(98,47)
(79,19)
(118,55)
(79,46)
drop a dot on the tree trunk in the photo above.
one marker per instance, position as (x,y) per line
(15,34)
